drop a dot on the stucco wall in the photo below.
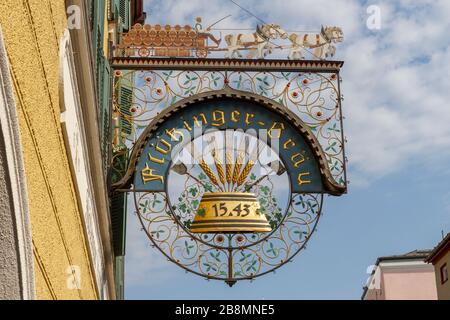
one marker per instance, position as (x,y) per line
(443,289)
(418,285)
(9,264)
(32,31)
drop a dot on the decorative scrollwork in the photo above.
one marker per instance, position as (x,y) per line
(209,256)
(313,97)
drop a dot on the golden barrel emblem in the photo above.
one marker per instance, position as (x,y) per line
(229,212)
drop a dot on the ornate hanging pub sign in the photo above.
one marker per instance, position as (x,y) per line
(229,159)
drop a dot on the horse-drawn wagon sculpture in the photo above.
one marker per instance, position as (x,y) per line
(187,41)
(168,41)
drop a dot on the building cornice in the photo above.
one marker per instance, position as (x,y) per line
(226,64)
(405,266)
(441,249)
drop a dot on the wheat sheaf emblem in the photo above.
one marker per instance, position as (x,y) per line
(232,166)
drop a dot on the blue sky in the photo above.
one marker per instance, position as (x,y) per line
(396,83)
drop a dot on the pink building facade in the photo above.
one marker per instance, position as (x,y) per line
(403,277)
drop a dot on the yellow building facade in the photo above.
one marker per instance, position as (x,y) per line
(68,261)
(440,258)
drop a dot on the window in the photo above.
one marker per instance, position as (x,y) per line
(444,274)
(124,9)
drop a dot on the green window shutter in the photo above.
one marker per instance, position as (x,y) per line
(99,64)
(103,73)
(91,4)
(124,13)
(119,30)
(126,101)
(119,268)
(115,9)
(118,222)
(106,114)
(98,7)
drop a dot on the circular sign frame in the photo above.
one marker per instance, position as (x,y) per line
(243,258)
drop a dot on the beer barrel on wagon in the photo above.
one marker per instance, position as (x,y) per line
(163,41)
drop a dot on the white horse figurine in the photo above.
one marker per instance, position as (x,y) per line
(322,43)
(257,41)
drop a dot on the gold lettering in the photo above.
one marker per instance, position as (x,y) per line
(173,132)
(279,127)
(148,176)
(300,178)
(235,116)
(161,150)
(287,143)
(220,119)
(186,125)
(297,163)
(197,122)
(156,160)
(204,118)
(248,117)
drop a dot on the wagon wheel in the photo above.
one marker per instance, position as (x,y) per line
(201,53)
(144,52)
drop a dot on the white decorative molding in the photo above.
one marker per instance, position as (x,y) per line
(76,144)
(406,266)
(17,178)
